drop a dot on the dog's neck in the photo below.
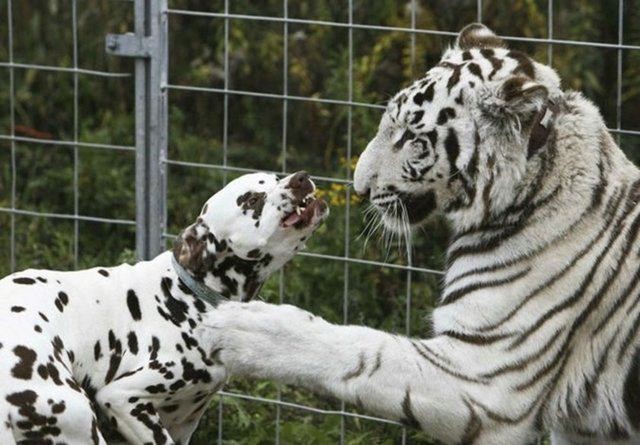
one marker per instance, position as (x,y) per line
(231,276)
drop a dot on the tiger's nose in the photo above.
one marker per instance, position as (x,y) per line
(301,185)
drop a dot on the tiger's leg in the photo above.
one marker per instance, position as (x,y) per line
(392,376)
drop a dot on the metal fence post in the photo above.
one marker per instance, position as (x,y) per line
(149,46)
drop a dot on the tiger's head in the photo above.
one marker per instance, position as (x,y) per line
(473,126)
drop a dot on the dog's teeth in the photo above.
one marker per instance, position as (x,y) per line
(298,210)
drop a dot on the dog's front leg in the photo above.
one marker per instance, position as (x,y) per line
(132,408)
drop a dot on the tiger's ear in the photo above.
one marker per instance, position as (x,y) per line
(476,35)
(190,248)
(515,96)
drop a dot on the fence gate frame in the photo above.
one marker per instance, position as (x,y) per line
(149,46)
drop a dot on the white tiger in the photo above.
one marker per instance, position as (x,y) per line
(538,323)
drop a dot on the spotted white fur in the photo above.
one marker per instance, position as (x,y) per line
(109,352)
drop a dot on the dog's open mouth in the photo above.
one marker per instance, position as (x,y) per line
(304,212)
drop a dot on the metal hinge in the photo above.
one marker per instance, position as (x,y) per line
(129,45)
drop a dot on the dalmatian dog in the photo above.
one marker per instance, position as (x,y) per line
(126,341)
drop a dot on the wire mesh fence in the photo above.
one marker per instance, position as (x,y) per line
(218,89)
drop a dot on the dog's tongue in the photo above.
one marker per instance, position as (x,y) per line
(292,219)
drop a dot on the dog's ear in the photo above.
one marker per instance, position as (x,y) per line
(476,35)
(190,248)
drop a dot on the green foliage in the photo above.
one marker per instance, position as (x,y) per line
(316,138)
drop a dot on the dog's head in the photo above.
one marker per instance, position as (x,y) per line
(248,230)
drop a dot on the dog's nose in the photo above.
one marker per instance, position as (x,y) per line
(300,184)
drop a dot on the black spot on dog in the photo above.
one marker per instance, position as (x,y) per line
(36,427)
(155,389)
(178,309)
(64,298)
(134,305)
(114,364)
(112,340)
(73,385)
(24,368)
(52,372)
(97,351)
(22,398)
(44,317)
(17,309)
(143,412)
(132,342)
(253,201)
(177,385)
(154,348)
(58,408)
(193,375)
(61,301)
(189,341)
(116,356)
(24,280)
(103,272)
(37,328)
(41,279)
(183,287)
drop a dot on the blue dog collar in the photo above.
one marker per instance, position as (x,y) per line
(197,287)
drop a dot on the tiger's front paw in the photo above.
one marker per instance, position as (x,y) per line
(256,337)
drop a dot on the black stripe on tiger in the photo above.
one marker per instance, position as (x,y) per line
(522,363)
(409,418)
(473,287)
(421,350)
(630,237)
(609,215)
(565,350)
(507,232)
(475,339)
(631,391)
(474,426)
